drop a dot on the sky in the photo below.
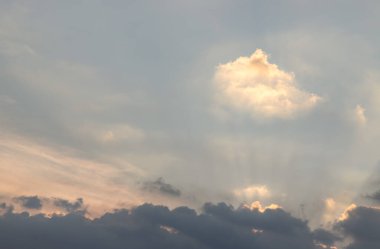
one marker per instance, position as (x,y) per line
(186,122)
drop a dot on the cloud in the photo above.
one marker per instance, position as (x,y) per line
(252,191)
(256,205)
(49,171)
(68,206)
(162,187)
(113,133)
(345,215)
(30,202)
(360,116)
(362,225)
(332,209)
(5,208)
(253,85)
(375,196)
(325,237)
(47,205)
(219,226)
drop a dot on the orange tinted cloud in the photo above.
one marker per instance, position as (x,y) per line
(28,168)
(258,206)
(252,84)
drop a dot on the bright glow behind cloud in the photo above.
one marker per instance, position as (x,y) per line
(360,117)
(345,214)
(252,191)
(253,85)
(258,206)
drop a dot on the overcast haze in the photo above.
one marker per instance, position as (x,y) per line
(258,115)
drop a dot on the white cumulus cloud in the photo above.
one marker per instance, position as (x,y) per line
(253,85)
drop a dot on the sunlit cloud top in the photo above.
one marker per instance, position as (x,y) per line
(254,85)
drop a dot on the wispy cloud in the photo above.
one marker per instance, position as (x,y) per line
(64,174)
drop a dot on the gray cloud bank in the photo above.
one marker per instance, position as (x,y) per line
(363,226)
(148,226)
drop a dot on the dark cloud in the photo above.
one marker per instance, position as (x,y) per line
(363,226)
(6,208)
(325,237)
(161,186)
(31,202)
(68,206)
(375,196)
(148,226)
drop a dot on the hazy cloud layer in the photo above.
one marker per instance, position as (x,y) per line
(147,226)
(254,85)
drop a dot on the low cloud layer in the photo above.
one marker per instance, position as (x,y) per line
(253,85)
(148,226)
(153,226)
(362,225)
